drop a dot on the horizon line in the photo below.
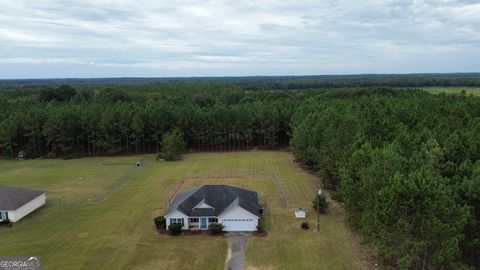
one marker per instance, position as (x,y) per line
(245,76)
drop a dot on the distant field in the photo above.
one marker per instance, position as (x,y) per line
(99,214)
(453,90)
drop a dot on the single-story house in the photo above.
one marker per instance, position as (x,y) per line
(15,203)
(237,209)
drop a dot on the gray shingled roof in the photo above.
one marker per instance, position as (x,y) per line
(11,198)
(220,197)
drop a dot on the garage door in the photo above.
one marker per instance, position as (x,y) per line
(239,225)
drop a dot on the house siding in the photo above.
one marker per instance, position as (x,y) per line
(19,213)
(238,219)
(178,214)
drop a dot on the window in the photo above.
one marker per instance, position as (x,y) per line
(193,219)
(176,220)
(212,220)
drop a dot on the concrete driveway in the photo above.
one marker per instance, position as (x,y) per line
(235,254)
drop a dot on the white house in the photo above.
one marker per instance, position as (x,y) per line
(15,203)
(237,209)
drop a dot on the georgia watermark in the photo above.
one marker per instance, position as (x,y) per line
(19,263)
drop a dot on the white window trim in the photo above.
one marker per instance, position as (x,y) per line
(177,221)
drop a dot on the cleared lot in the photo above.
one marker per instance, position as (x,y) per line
(99,214)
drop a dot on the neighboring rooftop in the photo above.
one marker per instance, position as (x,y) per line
(12,198)
(219,197)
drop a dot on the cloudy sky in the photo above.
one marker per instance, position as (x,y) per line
(115,38)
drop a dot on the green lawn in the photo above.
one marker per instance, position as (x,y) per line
(99,215)
(453,90)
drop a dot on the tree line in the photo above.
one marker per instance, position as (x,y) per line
(66,122)
(404,163)
(272,82)
(407,169)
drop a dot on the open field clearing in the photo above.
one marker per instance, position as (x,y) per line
(453,90)
(99,214)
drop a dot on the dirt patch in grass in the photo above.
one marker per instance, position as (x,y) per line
(260,234)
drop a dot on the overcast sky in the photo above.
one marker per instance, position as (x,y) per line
(103,38)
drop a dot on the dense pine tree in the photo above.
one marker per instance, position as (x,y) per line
(404,163)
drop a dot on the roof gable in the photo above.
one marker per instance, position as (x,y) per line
(175,213)
(203,204)
(236,212)
(12,198)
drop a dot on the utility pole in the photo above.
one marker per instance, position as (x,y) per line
(319,192)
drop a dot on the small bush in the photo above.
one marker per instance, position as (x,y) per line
(175,228)
(160,222)
(215,228)
(261,225)
(5,222)
(322,203)
(305,226)
(159,156)
(335,196)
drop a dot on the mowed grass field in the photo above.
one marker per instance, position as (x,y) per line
(453,90)
(99,214)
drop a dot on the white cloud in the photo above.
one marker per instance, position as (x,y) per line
(216,37)
(19,60)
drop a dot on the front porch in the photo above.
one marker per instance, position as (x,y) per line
(201,223)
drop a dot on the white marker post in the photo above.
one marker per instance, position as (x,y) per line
(319,193)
